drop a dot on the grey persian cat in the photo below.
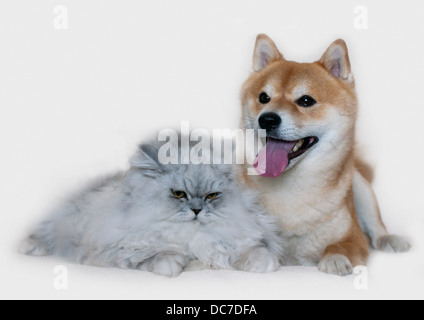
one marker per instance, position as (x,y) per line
(163,219)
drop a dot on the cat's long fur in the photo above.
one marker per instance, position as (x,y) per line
(131,220)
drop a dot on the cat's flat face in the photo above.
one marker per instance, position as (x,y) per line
(197,193)
(185,193)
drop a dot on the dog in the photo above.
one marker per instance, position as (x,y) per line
(309,173)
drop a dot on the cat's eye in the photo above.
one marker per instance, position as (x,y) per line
(306,101)
(179,194)
(212,196)
(264,98)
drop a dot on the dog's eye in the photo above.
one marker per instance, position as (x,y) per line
(179,194)
(264,98)
(306,101)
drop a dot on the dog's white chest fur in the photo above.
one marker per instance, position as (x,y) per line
(310,223)
(307,249)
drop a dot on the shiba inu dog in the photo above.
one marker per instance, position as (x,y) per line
(309,175)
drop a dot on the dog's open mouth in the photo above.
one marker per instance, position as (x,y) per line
(272,160)
(302,146)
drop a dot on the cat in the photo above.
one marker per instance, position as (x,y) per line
(164,219)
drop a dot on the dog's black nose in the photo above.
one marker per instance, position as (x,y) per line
(269,121)
(196,211)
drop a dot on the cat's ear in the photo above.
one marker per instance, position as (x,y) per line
(146,159)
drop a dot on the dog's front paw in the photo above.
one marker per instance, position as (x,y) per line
(393,244)
(337,264)
(169,265)
(259,260)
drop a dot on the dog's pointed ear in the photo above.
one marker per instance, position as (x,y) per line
(146,159)
(336,61)
(265,52)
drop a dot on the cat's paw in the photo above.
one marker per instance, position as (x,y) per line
(32,247)
(169,265)
(196,265)
(393,244)
(336,264)
(259,260)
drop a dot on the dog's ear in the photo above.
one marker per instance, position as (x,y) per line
(146,159)
(265,52)
(336,61)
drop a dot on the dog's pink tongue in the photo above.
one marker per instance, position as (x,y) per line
(272,160)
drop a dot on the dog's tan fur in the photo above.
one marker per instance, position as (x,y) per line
(314,198)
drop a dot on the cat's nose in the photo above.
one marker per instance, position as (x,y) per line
(196,211)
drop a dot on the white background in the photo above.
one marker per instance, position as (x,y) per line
(75,102)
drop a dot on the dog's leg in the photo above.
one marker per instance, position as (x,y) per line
(370,219)
(352,251)
(340,258)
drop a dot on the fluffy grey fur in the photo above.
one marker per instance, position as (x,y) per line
(132,220)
